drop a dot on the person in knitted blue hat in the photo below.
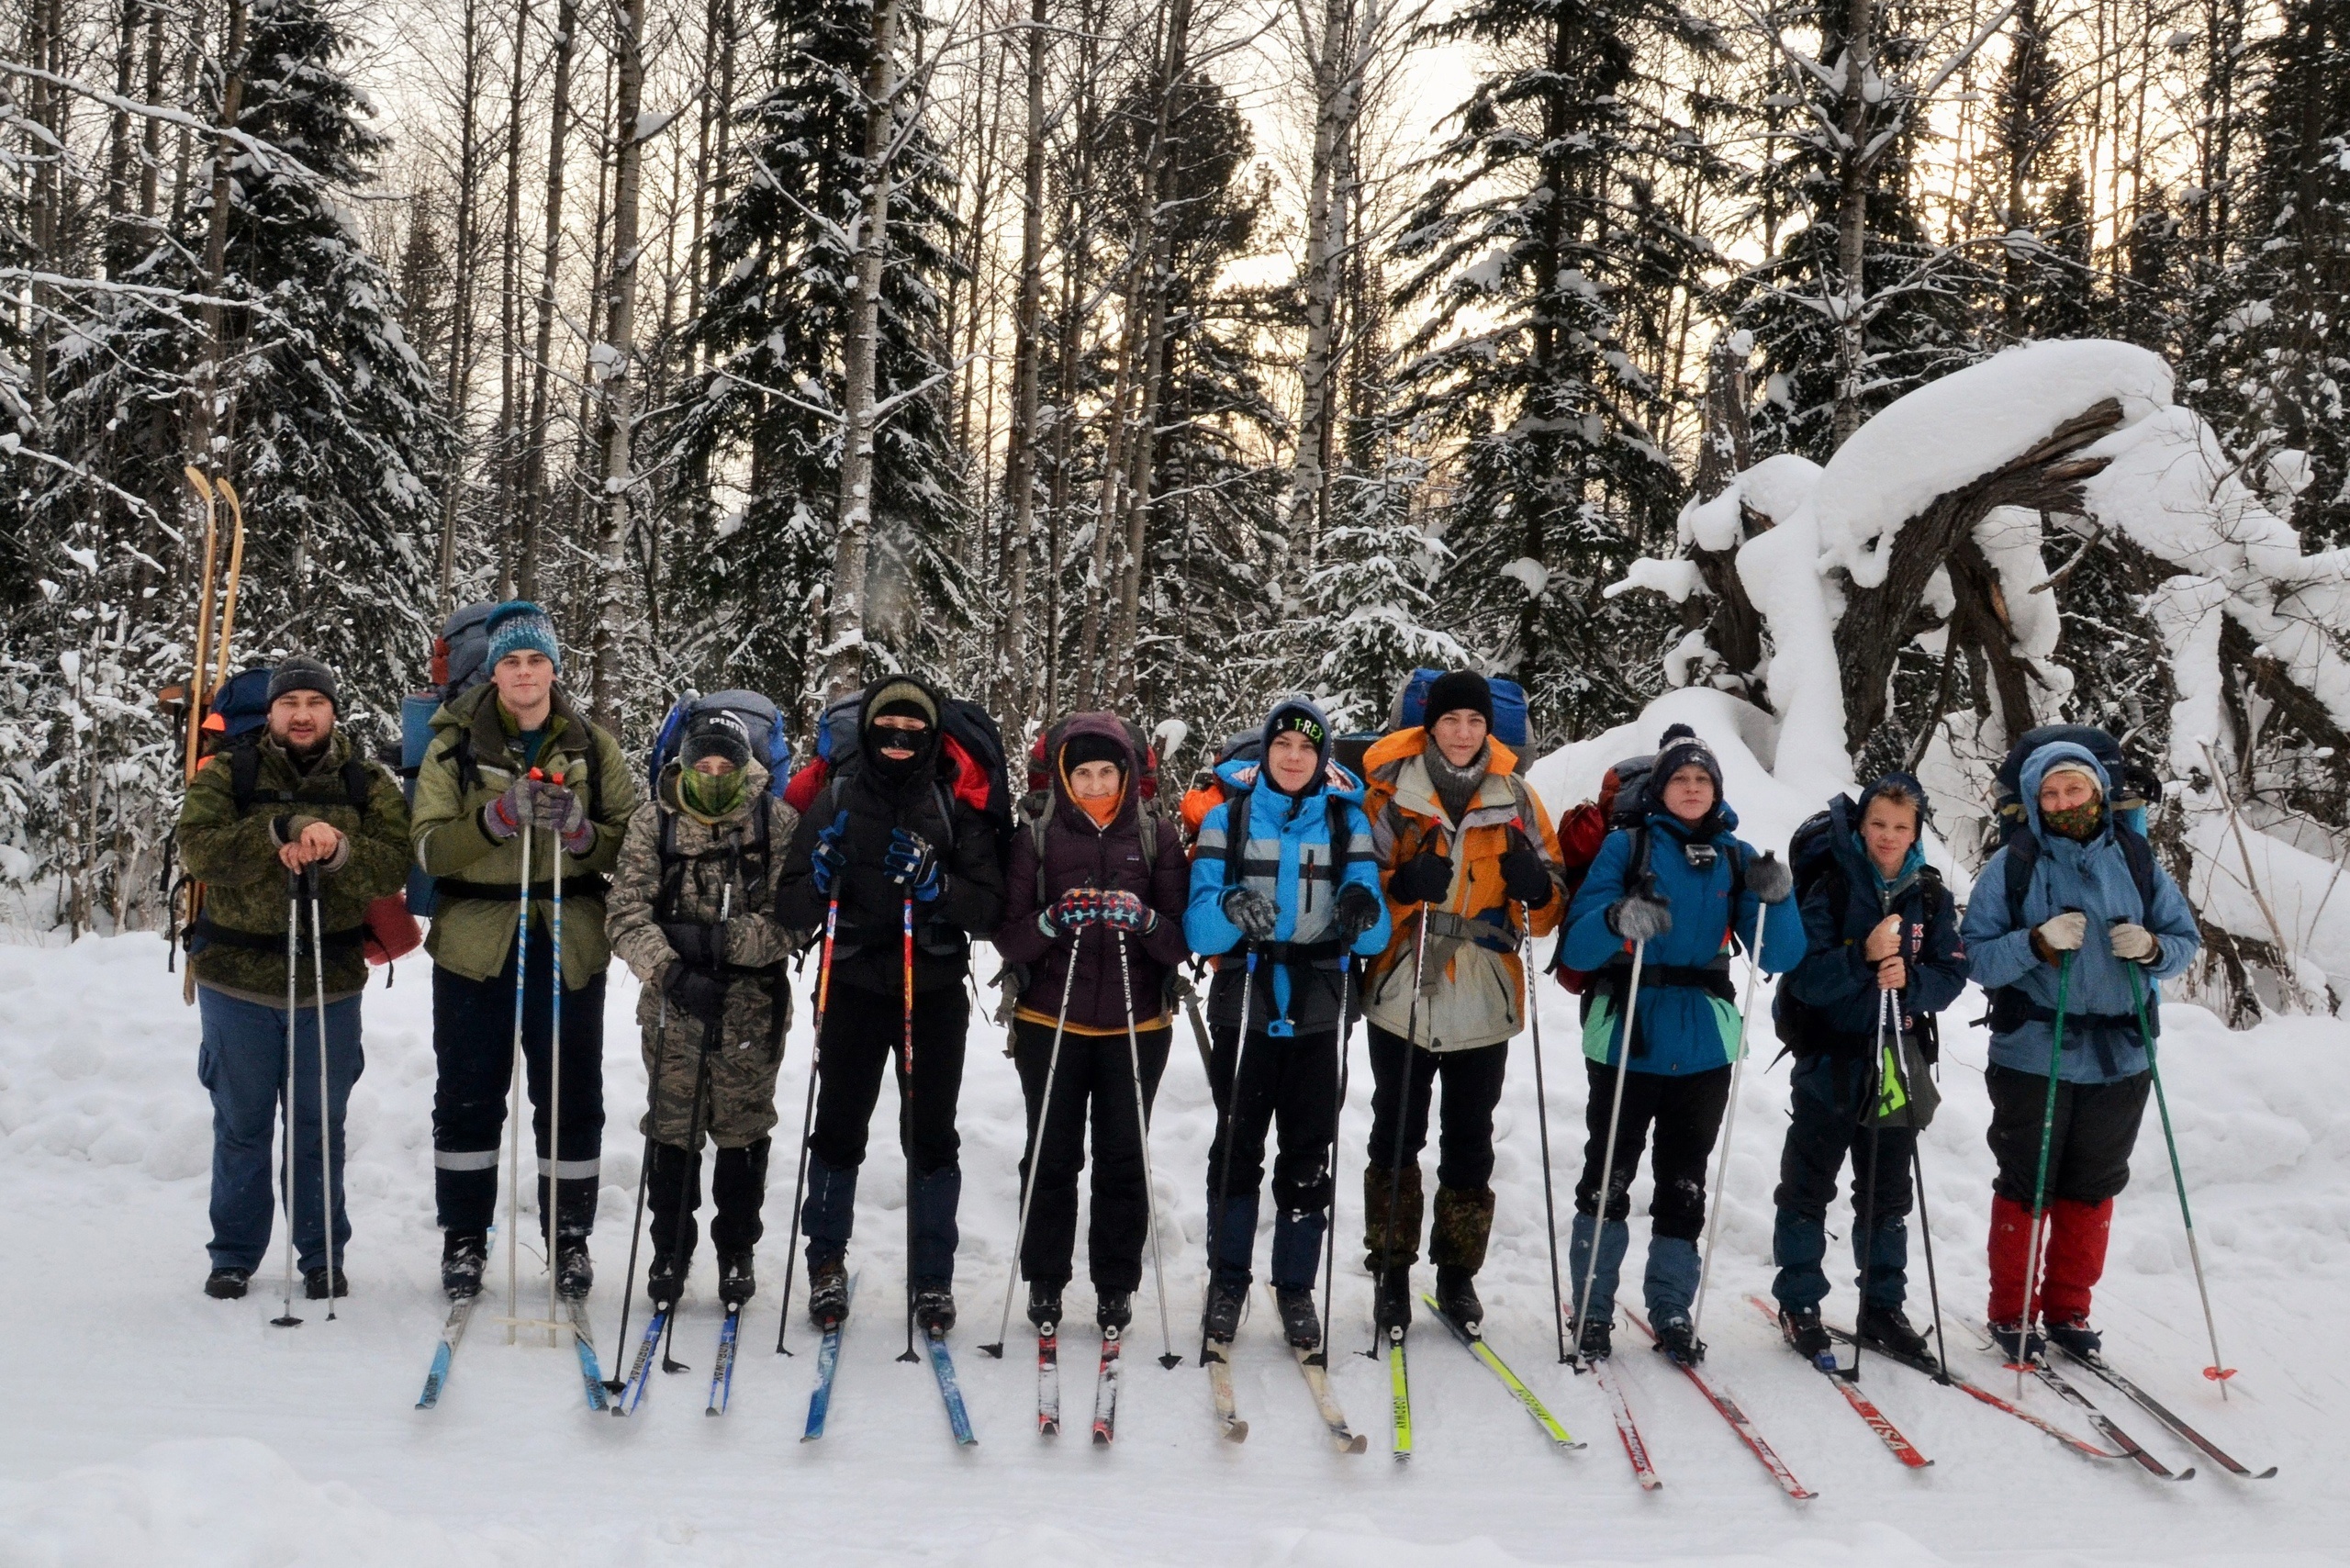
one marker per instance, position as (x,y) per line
(515,769)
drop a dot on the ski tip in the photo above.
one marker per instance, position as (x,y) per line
(1360,1443)
(1101,1438)
(1236,1433)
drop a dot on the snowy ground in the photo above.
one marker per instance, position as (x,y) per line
(149,1425)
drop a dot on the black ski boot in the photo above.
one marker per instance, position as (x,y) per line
(1804,1331)
(1598,1341)
(2018,1342)
(1456,1293)
(1225,1299)
(1888,1330)
(227,1284)
(1391,1299)
(665,1280)
(2077,1338)
(735,1282)
(463,1255)
(1045,1306)
(1114,1309)
(1677,1338)
(1301,1319)
(575,1273)
(934,1309)
(828,1292)
(314,1283)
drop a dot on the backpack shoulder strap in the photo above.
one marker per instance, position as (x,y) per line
(357,784)
(2140,854)
(2023,855)
(1342,839)
(1037,831)
(1146,829)
(1236,838)
(244,773)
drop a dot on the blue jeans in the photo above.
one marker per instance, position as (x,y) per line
(242,1062)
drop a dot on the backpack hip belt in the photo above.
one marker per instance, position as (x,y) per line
(595,886)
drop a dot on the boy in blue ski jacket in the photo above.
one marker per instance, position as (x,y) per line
(1284,884)
(1884,957)
(2075,904)
(1682,887)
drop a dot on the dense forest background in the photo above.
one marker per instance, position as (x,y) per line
(1088,352)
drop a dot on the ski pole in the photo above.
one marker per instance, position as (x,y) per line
(906,1100)
(1729,1122)
(1606,1198)
(514,1091)
(293,1021)
(1224,1167)
(1542,1125)
(326,1118)
(688,1197)
(635,1234)
(2040,1182)
(2218,1371)
(1339,1109)
(1933,1286)
(808,1114)
(1166,1356)
(1866,1246)
(553,1202)
(1403,1103)
(1037,1144)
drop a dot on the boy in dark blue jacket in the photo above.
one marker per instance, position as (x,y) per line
(1285,872)
(1883,957)
(1694,889)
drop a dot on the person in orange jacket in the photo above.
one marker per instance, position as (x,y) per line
(1465,849)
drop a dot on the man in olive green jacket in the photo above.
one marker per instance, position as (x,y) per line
(507,755)
(262,821)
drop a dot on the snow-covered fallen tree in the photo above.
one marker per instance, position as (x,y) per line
(1945,545)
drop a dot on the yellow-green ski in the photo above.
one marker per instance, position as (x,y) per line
(1399,1388)
(1475,1345)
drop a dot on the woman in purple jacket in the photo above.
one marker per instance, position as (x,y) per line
(1093,877)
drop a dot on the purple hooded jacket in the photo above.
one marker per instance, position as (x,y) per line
(1080,855)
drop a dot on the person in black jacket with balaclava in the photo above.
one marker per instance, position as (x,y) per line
(899,822)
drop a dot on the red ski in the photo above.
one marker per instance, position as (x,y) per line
(1719,1397)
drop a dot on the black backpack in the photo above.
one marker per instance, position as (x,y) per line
(1811,860)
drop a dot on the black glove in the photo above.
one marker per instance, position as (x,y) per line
(698,995)
(1426,878)
(1252,911)
(1639,917)
(1524,876)
(1357,911)
(698,945)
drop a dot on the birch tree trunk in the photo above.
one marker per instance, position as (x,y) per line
(1337,94)
(614,361)
(1016,683)
(530,513)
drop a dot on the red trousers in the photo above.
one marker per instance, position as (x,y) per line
(2072,1259)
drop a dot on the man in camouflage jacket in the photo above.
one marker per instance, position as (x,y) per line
(259,820)
(691,913)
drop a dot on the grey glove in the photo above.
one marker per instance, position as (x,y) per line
(1252,911)
(1769,879)
(1639,917)
(2064,932)
(2134,942)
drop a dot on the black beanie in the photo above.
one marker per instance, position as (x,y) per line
(1080,749)
(1679,752)
(1456,689)
(714,731)
(295,673)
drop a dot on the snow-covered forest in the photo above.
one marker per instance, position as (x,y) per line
(1086,352)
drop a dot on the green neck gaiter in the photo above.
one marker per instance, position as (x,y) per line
(711,795)
(2079,824)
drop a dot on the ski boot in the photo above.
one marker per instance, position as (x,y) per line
(665,1280)
(1045,1306)
(314,1283)
(1456,1293)
(735,1282)
(828,1292)
(1887,1329)
(575,1273)
(463,1255)
(1227,1297)
(227,1284)
(2018,1341)
(934,1310)
(1598,1341)
(1114,1309)
(1804,1331)
(1677,1338)
(1301,1321)
(1391,1302)
(2077,1339)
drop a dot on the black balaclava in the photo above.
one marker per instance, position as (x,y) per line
(898,696)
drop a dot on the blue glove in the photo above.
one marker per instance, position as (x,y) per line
(912,864)
(828,859)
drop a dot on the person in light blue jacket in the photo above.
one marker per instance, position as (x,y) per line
(1682,885)
(1284,887)
(2074,907)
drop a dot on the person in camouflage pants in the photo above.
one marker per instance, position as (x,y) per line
(691,914)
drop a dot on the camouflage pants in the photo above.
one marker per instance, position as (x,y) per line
(738,1098)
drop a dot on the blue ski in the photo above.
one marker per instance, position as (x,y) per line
(454,1329)
(828,1360)
(949,1390)
(591,1374)
(639,1372)
(722,1374)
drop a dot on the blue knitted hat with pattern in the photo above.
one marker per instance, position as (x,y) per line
(518,624)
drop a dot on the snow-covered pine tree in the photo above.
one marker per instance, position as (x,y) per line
(1540,237)
(750,566)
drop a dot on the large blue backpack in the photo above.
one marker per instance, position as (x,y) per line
(770,737)
(1509,705)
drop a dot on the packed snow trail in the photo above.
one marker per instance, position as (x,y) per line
(154,1426)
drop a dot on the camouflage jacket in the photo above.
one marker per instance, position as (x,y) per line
(709,867)
(473,932)
(240,944)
